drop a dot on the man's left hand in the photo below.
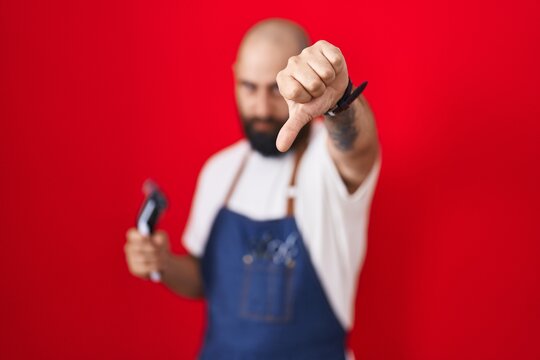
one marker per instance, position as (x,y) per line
(312,83)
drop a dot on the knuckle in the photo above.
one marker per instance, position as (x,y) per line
(288,92)
(292,92)
(327,74)
(130,233)
(159,237)
(161,233)
(337,59)
(317,93)
(281,80)
(337,64)
(307,51)
(279,77)
(335,49)
(293,60)
(315,86)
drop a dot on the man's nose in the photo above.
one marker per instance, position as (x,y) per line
(263,105)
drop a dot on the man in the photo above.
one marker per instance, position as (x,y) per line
(277,229)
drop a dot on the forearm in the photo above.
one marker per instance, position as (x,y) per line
(182,275)
(353,142)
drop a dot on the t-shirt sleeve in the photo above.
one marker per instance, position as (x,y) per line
(363,193)
(334,223)
(321,176)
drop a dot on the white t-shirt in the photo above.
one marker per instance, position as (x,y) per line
(333,222)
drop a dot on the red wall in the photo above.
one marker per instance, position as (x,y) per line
(96,96)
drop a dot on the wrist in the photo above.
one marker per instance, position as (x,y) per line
(347,99)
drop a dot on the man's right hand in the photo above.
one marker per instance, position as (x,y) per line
(144,254)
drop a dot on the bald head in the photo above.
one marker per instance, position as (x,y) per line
(280,33)
(263,53)
(267,46)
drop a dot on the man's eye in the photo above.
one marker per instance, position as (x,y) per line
(275,90)
(249,87)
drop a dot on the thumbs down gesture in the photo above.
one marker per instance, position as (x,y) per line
(312,83)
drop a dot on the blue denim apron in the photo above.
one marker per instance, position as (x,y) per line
(264,299)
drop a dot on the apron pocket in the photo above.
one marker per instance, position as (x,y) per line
(267,290)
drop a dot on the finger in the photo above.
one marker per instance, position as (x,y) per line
(138,270)
(322,67)
(142,270)
(147,249)
(334,56)
(144,265)
(291,89)
(309,79)
(290,130)
(141,261)
(148,264)
(141,250)
(134,236)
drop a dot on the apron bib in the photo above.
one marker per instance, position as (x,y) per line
(264,299)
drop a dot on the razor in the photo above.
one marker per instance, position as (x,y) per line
(152,209)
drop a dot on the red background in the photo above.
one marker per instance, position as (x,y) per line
(96,96)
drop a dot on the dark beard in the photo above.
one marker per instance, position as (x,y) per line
(265,142)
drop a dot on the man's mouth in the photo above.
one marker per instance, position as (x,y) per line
(263,126)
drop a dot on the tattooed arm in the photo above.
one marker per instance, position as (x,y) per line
(353,142)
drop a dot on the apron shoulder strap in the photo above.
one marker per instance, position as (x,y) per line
(237,176)
(291,191)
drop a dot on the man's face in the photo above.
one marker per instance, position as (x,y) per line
(262,109)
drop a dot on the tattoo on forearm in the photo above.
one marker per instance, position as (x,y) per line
(342,129)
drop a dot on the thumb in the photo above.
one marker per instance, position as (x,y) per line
(289,131)
(160,239)
(300,115)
